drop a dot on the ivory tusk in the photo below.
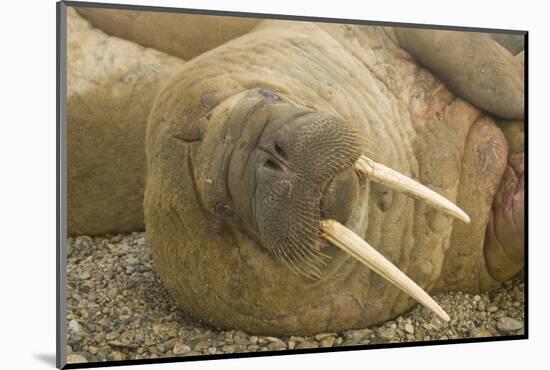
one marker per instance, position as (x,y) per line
(386,176)
(359,249)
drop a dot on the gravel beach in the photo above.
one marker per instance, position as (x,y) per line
(117,309)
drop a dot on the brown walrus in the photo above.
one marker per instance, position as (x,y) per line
(258,147)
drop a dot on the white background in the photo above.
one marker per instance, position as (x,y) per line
(27,181)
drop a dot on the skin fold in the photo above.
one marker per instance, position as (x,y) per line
(217,256)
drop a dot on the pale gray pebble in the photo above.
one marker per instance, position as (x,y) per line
(385,333)
(74,326)
(507,324)
(357,334)
(117,308)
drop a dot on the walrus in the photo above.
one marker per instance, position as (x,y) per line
(111,84)
(178,34)
(108,106)
(302,178)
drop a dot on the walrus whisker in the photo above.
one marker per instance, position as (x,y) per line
(386,176)
(290,263)
(312,269)
(359,249)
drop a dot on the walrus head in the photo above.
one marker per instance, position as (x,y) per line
(280,170)
(274,174)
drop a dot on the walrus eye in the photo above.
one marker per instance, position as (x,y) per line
(269,95)
(280,151)
(272,165)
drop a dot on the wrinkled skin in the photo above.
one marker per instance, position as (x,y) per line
(111,85)
(252,144)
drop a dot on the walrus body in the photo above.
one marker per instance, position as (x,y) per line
(210,119)
(111,86)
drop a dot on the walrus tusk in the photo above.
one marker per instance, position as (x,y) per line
(386,176)
(359,249)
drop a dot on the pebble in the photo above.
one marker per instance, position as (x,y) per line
(73,358)
(327,342)
(117,356)
(113,315)
(480,333)
(385,333)
(276,345)
(355,334)
(507,324)
(322,336)
(307,344)
(228,348)
(74,326)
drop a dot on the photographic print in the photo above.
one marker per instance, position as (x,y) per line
(241,184)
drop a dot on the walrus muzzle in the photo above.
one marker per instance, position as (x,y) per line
(293,178)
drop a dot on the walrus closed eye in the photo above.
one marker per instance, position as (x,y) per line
(292,178)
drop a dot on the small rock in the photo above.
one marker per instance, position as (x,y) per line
(112,335)
(327,342)
(273,340)
(307,344)
(228,348)
(253,339)
(181,349)
(386,333)
(85,275)
(141,242)
(93,350)
(117,356)
(131,260)
(507,324)
(492,308)
(74,326)
(376,340)
(409,328)
(276,345)
(322,336)
(73,358)
(480,333)
(356,335)
(212,350)
(241,334)
(216,342)
(350,342)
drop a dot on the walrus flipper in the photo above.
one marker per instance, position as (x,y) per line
(472,65)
